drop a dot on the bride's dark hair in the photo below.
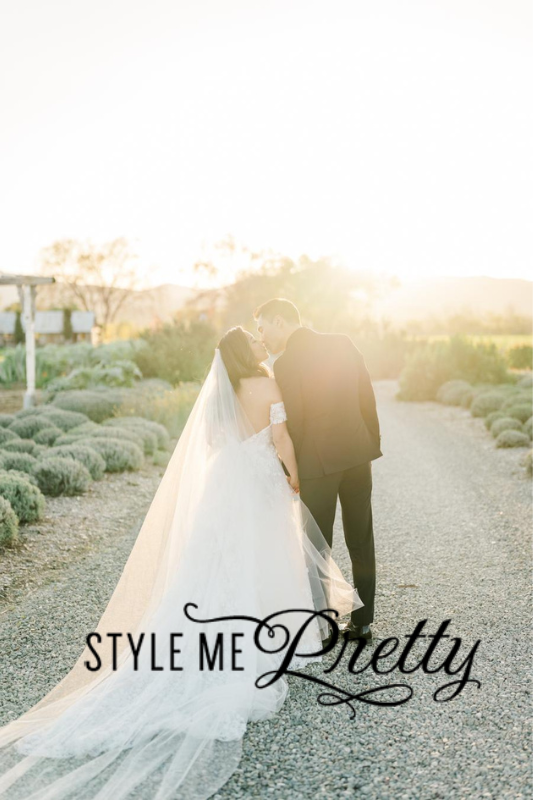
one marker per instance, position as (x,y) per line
(238,357)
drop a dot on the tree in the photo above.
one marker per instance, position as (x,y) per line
(330,296)
(227,259)
(100,278)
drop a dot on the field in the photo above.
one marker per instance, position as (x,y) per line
(503,342)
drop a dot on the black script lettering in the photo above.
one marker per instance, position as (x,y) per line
(377,654)
(412,637)
(465,679)
(292,646)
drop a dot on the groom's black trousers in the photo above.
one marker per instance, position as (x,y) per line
(353,487)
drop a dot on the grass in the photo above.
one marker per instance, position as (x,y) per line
(503,342)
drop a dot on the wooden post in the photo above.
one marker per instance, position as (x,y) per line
(27,288)
(29,319)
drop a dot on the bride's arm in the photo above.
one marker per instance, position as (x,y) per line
(285,450)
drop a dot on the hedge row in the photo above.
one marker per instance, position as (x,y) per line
(59,448)
(507,409)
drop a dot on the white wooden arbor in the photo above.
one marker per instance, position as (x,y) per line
(27,287)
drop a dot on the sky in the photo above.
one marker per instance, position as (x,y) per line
(393,136)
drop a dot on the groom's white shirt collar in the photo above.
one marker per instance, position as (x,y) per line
(270,360)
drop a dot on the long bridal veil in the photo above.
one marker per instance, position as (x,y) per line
(176,731)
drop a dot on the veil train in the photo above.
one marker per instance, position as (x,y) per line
(122,731)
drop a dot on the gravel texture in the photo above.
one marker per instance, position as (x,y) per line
(453,541)
(72,527)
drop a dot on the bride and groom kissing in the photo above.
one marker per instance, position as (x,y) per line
(333,423)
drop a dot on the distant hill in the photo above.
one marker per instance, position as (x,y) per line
(440,297)
(412,300)
(159,303)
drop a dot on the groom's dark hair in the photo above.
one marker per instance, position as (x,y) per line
(278,306)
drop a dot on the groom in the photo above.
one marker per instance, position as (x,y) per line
(332,419)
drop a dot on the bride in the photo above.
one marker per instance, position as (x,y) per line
(228,568)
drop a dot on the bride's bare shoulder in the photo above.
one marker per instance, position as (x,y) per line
(264,387)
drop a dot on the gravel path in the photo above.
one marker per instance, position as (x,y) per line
(453,538)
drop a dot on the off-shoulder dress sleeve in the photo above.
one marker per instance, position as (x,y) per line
(277,413)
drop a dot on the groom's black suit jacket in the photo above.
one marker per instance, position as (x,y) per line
(330,403)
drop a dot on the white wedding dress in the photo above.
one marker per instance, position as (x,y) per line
(233,540)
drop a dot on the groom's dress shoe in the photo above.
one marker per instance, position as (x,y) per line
(352,632)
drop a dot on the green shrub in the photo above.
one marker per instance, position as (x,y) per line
(505,424)
(61,418)
(485,403)
(490,418)
(26,475)
(520,357)
(468,397)
(526,382)
(517,399)
(99,432)
(19,446)
(64,419)
(83,430)
(435,363)
(28,412)
(451,393)
(13,365)
(7,435)
(54,360)
(87,456)
(140,434)
(154,386)
(120,373)
(123,433)
(528,427)
(117,454)
(512,438)
(28,426)
(62,476)
(522,412)
(26,499)
(511,387)
(47,436)
(135,423)
(9,524)
(68,438)
(178,351)
(24,462)
(96,405)
(6,419)
(471,394)
(161,458)
(169,408)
